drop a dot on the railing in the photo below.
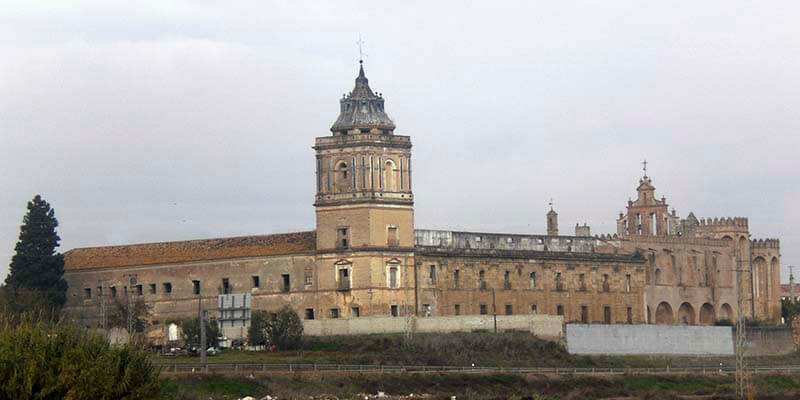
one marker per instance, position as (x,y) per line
(253,367)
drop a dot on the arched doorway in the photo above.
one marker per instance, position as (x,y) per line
(664,314)
(686,314)
(726,312)
(707,316)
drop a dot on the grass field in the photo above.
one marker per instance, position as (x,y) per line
(472,386)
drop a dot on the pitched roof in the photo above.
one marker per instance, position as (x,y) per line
(190,250)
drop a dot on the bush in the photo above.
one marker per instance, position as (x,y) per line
(256,333)
(190,332)
(285,330)
(46,360)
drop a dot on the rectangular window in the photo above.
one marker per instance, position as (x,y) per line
(196,287)
(627,282)
(308,276)
(630,315)
(457,309)
(483,309)
(344,279)
(426,310)
(509,309)
(507,280)
(152,288)
(342,238)
(584,315)
(559,310)
(606,285)
(559,285)
(582,281)
(334,313)
(455,279)
(393,277)
(532,280)
(481,279)
(533,309)
(256,281)
(355,312)
(139,290)
(113,291)
(286,283)
(432,275)
(391,237)
(167,287)
(226,286)
(87,293)
(309,313)
(393,310)
(607,314)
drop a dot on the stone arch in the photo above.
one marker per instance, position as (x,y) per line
(341,176)
(659,279)
(664,314)
(686,315)
(726,312)
(707,316)
(389,176)
(774,267)
(759,266)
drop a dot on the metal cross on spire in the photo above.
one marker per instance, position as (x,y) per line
(361,53)
(644,168)
(551,204)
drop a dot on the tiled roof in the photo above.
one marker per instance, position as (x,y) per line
(190,250)
(786,290)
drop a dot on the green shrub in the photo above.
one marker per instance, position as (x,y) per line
(285,331)
(256,333)
(45,360)
(190,332)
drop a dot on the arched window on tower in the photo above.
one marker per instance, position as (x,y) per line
(389,176)
(653,230)
(342,178)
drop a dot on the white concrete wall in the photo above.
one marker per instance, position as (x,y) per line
(649,339)
(544,326)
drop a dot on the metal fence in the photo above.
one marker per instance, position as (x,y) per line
(256,367)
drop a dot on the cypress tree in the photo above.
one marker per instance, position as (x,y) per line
(36,269)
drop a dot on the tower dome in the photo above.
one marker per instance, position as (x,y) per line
(362,109)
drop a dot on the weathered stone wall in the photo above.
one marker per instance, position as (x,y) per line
(649,339)
(544,326)
(761,341)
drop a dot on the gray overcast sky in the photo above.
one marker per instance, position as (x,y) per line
(153,121)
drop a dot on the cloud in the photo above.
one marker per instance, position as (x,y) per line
(179,120)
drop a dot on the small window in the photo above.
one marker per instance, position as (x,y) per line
(87,293)
(481,279)
(507,280)
(426,310)
(606,285)
(457,309)
(152,288)
(477,238)
(308,276)
(532,280)
(559,285)
(584,314)
(629,315)
(483,309)
(196,287)
(628,282)
(393,277)
(286,283)
(256,281)
(559,310)
(226,286)
(509,309)
(342,238)
(533,309)
(582,281)
(391,237)
(139,290)
(167,287)
(455,279)
(393,310)
(309,313)
(355,312)
(113,291)
(607,314)
(334,313)
(432,274)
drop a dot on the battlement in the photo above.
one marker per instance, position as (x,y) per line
(729,221)
(606,236)
(765,243)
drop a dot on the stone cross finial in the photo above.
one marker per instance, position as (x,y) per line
(644,168)
(361,54)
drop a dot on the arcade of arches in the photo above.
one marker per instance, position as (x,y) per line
(688,315)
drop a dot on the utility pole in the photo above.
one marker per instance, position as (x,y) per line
(494,311)
(202,321)
(131,283)
(101,284)
(741,367)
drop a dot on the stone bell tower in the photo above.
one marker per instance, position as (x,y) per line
(364,204)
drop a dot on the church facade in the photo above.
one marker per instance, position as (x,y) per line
(366,258)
